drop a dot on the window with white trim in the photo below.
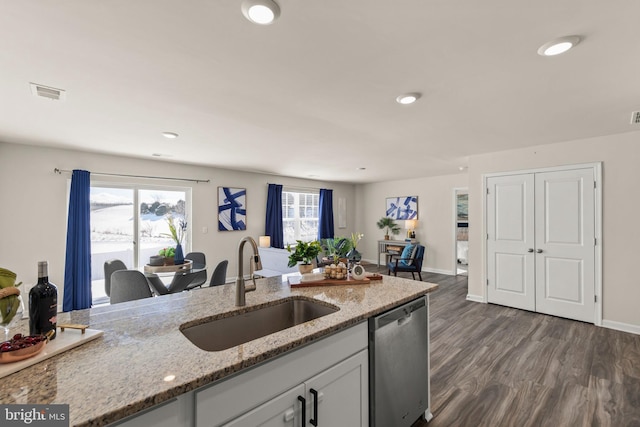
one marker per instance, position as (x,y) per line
(300,212)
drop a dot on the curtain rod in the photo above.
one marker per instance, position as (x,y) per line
(59,172)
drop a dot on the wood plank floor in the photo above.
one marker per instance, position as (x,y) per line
(497,366)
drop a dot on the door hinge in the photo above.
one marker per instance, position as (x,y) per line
(595,241)
(487,236)
(595,298)
(487,190)
(487,282)
(594,184)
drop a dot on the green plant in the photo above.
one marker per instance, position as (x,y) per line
(336,247)
(389,224)
(167,252)
(304,252)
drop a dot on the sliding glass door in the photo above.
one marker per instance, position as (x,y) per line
(130,224)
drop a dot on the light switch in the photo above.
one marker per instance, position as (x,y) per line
(205,230)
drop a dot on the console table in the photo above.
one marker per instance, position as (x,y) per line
(384,244)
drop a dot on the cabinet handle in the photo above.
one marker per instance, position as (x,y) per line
(314,421)
(539,251)
(530,250)
(289,415)
(304,410)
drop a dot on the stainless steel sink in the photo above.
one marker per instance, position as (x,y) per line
(226,331)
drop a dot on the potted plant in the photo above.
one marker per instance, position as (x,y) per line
(390,225)
(177,230)
(353,255)
(336,248)
(304,253)
(168,254)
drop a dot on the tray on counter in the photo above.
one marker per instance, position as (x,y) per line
(64,341)
(295,282)
(168,268)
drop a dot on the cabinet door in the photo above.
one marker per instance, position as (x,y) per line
(339,396)
(282,411)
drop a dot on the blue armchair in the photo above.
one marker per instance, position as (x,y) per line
(406,263)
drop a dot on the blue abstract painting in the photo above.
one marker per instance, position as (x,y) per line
(405,207)
(232,210)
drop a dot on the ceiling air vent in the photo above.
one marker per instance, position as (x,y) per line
(635,118)
(47,92)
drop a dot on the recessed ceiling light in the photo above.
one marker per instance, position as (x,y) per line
(558,46)
(170,135)
(262,12)
(408,98)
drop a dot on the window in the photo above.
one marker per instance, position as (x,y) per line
(300,213)
(129,224)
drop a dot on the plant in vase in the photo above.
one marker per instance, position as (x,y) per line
(353,255)
(390,225)
(177,230)
(168,254)
(304,253)
(336,248)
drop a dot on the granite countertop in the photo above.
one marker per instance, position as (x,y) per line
(127,369)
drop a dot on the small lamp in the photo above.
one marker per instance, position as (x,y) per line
(411,225)
(265,241)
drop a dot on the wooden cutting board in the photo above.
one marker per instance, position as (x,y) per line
(294,282)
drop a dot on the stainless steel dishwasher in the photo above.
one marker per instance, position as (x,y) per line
(399,365)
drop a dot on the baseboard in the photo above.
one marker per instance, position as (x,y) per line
(475,298)
(439,271)
(619,326)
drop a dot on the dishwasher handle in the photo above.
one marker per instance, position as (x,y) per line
(400,315)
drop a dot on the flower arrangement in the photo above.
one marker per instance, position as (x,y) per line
(177,229)
(355,238)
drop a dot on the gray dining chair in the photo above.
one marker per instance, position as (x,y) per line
(199,261)
(129,285)
(219,276)
(109,267)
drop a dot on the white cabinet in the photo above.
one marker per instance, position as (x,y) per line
(335,397)
(340,395)
(176,412)
(335,367)
(283,411)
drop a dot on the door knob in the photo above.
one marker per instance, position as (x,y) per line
(538,251)
(530,250)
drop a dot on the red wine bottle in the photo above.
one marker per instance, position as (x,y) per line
(43,303)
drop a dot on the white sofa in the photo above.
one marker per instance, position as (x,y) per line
(274,262)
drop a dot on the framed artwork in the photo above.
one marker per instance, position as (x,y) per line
(342,212)
(401,208)
(232,209)
(462,207)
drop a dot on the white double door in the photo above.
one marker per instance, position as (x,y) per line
(541,242)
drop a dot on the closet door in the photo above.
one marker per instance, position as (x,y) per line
(565,244)
(510,241)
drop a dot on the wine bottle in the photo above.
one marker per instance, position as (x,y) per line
(43,303)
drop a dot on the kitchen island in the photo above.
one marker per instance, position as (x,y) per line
(143,360)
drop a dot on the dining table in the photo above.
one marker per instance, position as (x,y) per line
(169,279)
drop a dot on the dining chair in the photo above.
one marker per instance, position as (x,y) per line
(109,267)
(199,260)
(409,261)
(219,276)
(128,285)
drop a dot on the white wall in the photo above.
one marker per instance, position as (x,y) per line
(621,204)
(435,212)
(35,203)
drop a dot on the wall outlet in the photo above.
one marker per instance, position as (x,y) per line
(205,230)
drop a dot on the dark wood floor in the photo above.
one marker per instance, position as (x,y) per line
(497,366)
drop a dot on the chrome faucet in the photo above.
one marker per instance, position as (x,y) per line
(256,264)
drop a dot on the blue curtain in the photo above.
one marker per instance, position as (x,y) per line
(273,223)
(77,268)
(325,226)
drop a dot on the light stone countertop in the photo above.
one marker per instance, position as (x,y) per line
(123,372)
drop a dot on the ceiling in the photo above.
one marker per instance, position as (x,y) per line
(313,95)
